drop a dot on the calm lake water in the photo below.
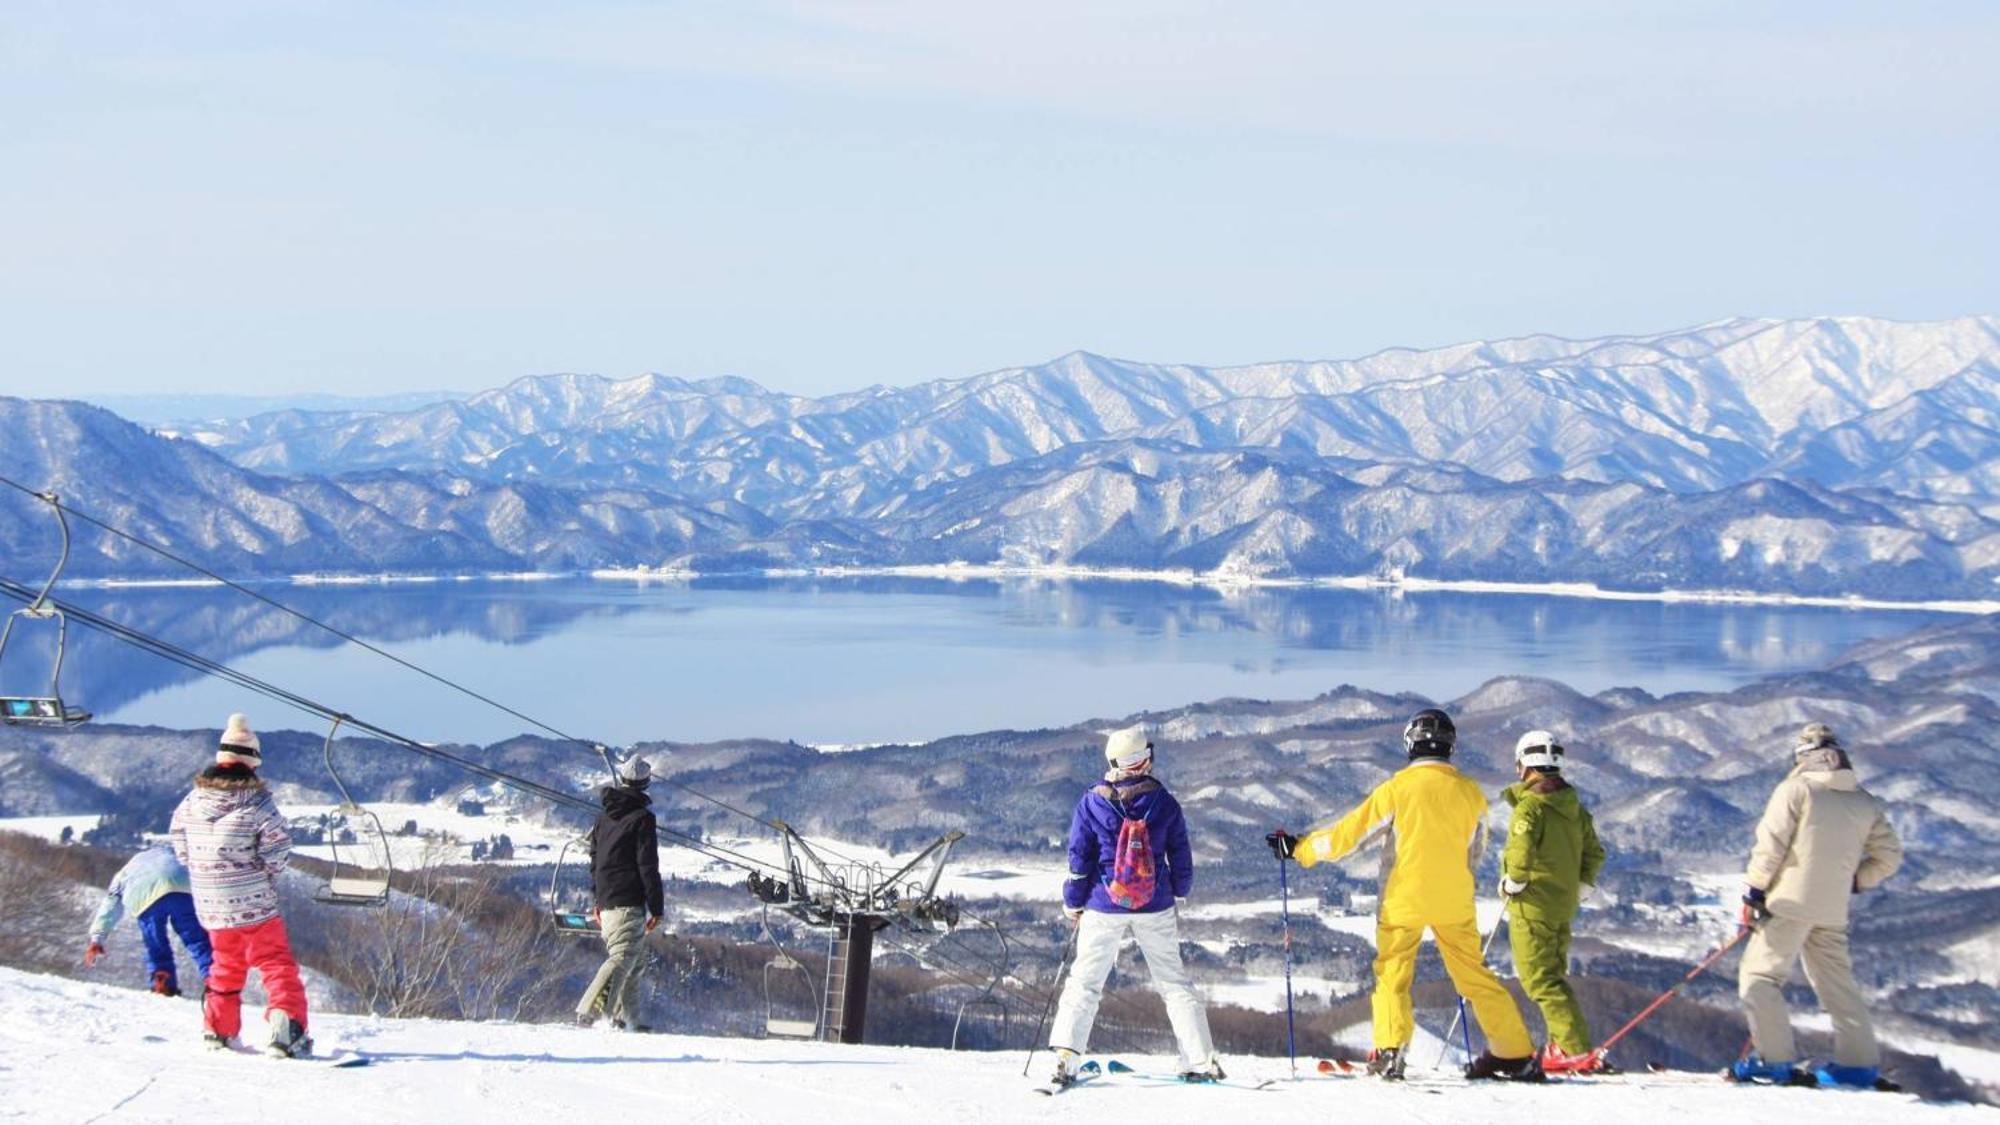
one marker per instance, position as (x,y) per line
(869,660)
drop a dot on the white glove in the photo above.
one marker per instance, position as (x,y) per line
(1510,887)
(1586,892)
(1073,912)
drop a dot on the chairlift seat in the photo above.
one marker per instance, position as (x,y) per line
(574,922)
(790,1029)
(355,890)
(40,711)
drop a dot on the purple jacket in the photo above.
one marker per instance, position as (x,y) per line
(1093,845)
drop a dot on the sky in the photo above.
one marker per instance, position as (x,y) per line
(368,198)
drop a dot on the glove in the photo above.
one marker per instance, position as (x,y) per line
(91,955)
(1509,886)
(1282,843)
(1755,913)
(1073,913)
(1586,892)
(1857,885)
(651,922)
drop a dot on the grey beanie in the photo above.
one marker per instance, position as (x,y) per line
(635,772)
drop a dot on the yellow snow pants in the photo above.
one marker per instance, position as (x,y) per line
(1458,942)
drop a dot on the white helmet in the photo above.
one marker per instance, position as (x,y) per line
(1539,750)
(1127,748)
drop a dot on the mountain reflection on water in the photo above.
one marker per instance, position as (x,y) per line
(884,659)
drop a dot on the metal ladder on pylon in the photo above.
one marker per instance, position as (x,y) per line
(835,996)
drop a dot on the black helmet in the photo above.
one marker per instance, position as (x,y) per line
(1430,734)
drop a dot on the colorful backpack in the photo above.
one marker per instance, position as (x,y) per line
(1132,882)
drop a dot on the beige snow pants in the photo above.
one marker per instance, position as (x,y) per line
(616,986)
(1767,963)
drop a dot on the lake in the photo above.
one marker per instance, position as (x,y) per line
(861,660)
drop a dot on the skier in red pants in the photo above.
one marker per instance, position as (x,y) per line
(231,836)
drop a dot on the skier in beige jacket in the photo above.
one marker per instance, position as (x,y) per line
(1822,840)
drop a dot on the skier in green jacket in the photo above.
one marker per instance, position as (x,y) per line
(1552,855)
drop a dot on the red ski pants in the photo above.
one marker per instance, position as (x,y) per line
(265,948)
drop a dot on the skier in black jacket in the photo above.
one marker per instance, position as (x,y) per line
(625,881)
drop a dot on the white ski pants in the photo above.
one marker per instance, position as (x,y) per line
(1099,936)
(1767,963)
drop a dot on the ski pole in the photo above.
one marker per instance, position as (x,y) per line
(1285,911)
(1055,990)
(1461,1016)
(1604,1048)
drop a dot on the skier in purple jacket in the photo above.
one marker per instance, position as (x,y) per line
(1108,896)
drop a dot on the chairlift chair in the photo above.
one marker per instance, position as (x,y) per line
(784,964)
(567,921)
(43,710)
(986,997)
(350,884)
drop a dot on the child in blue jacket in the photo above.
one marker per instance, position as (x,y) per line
(154,886)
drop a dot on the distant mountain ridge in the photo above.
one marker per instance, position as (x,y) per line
(1828,456)
(1693,410)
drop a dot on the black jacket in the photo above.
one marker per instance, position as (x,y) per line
(625,853)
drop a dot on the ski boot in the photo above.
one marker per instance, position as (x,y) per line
(631,1025)
(1386,1063)
(213,1041)
(163,983)
(586,1019)
(288,1038)
(1555,1060)
(1833,1076)
(1490,1065)
(1065,1074)
(1753,1068)
(1210,1071)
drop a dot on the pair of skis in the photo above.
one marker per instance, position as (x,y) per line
(1091,1072)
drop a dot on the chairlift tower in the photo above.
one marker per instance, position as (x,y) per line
(852,902)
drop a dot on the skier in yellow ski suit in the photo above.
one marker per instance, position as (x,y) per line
(1435,818)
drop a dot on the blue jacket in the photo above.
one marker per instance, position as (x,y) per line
(138,885)
(1093,845)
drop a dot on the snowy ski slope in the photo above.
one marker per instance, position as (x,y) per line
(73,1052)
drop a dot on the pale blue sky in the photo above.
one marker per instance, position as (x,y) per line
(370,197)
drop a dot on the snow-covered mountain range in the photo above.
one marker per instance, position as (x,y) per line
(1837,455)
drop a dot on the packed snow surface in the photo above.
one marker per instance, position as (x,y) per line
(80,1052)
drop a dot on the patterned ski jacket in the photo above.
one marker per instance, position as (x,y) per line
(231,836)
(1093,844)
(1434,818)
(145,879)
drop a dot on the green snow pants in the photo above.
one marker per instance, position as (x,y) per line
(1541,960)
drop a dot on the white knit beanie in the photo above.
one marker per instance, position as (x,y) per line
(239,744)
(635,772)
(1128,748)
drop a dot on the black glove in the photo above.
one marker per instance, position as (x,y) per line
(1282,843)
(1755,913)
